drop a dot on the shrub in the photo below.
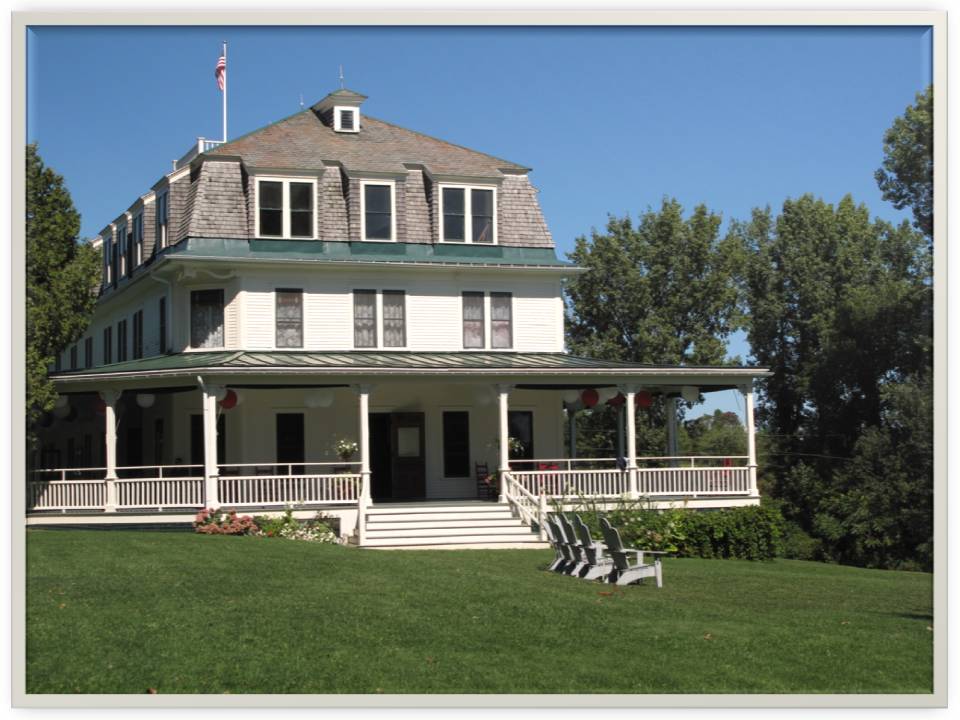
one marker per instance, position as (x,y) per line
(319,529)
(218,522)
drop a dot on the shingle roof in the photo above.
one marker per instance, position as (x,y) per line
(302,141)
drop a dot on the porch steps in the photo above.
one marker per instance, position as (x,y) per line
(468,524)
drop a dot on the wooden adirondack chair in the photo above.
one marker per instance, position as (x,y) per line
(557,544)
(569,554)
(574,544)
(600,564)
(625,570)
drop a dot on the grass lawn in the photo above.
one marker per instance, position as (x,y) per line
(124,612)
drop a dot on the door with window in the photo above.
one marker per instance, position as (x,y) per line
(398,467)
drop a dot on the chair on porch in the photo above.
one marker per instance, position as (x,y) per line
(600,565)
(485,489)
(627,570)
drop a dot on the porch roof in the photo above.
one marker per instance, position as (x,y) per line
(544,366)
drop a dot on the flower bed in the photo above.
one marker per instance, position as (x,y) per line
(220,522)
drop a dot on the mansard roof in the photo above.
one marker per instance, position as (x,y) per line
(303,141)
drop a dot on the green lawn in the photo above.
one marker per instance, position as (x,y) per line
(125,612)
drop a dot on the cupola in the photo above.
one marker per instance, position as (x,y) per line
(340,110)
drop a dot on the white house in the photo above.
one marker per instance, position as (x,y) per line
(335,277)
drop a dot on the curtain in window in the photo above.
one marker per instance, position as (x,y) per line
(501,320)
(473,319)
(289,318)
(364,318)
(394,321)
(481,211)
(206,318)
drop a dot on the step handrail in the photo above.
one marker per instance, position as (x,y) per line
(514,492)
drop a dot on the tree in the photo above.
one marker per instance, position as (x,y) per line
(906,178)
(840,309)
(661,293)
(61,275)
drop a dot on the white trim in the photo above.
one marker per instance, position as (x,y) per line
(467,212)
(393,209)
(285,183)
(336,118)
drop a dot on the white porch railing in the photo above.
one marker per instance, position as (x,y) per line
(690,476)
(531,509)
(66,495)
(263,484)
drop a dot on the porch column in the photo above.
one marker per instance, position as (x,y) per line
(747,391)
(630,408)
(503,395)
(211,468)
(110,399)
(363,395)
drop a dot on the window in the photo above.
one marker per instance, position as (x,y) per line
(468,214)
(73,358)
(121,341)
(138,335)
(138,240)
(456,444)
(289,318)
(346,119)
(108,345)
(130,265)
(107,260)
(394,318)
(501,320)
(285,208)
(163,199)
(115,259)
(162,317)
(378,211)
(520,427)
(122,251)
(365,318)
(88,352)
(473,335)
(206,318)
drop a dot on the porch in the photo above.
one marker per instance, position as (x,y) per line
(260,443)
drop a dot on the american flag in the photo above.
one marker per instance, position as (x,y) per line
(221,71)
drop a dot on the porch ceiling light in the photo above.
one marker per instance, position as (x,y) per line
(146,400)
(690,394)
(607,394)
(61,401)
(318,399)
(61,411)
(571,396)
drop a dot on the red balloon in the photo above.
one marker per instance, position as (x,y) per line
(644,399)
(617,401)
(589,397)
(229,401)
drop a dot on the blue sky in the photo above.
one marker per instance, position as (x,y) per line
(610,119)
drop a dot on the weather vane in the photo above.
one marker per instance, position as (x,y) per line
(341,77)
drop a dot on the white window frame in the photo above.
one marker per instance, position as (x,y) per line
(393,209)
(121,234)
(487,297)
(107,246)
(468,213)
(162,203)
(286,205)
(378,324)
(336,118)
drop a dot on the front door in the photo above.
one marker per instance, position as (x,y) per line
(397,456)
(409,463)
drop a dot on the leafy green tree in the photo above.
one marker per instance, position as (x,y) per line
(906,178)
(721,433)
(61,274)
(660,292)
(840,309)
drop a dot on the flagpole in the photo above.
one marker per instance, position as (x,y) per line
(224,90)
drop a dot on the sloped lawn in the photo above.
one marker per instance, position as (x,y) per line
(127,612)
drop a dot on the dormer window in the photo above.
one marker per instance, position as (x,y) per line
(378,211)
(285,208)
(122,236)
(138,239)
(163,199)
(346,119)
(468,214)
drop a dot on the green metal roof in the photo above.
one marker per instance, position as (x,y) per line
(359,361)
(368,252)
